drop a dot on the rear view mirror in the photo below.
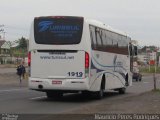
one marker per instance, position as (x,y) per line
(130,49)
(135,50)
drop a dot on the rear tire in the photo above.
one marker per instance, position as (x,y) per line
(86,93)
(140,79)
(126,81)
(54,95)
(99,94)
(122,90)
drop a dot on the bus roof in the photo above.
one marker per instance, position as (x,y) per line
(104,26)
(94,22)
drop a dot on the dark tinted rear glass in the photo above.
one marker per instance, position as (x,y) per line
(58,30)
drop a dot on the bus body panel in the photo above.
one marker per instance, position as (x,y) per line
(102,64)
(58,84)
(53,72)
(58,64)
(65,63)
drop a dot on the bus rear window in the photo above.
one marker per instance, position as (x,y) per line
(58,30)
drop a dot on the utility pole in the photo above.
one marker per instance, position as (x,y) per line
(155,65)
(2,31)
(4,35)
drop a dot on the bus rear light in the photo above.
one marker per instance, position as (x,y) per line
(86,64)
(29,59)
(86,60)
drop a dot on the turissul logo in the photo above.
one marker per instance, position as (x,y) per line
(44,25)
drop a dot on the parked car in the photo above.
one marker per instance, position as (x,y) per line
(136,74)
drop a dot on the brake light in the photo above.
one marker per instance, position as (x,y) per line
(86,64)
(29,58)
(86,60)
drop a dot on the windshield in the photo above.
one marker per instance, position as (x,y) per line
(58,30)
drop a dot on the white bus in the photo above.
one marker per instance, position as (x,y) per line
(75,54)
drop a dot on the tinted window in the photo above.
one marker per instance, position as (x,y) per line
(93,37)
(58,30)
(104,41)
(98,35)
(108,41)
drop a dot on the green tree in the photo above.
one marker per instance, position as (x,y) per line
(21,49)
(22,43)
(11,43)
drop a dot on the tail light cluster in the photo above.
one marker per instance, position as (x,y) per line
(86,60)
(29,59)
(29,63)
(86,64)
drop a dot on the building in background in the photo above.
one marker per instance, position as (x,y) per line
(4,52)
(149,55)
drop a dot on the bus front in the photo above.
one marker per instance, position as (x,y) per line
(58,56)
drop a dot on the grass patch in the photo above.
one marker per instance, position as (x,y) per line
(151,70)
(157,90)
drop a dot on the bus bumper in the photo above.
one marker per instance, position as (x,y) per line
(59,84)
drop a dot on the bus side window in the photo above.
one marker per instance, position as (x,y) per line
(93,37)
(100,35)
(98,38)
(109,41)
(115,40)
(104,39)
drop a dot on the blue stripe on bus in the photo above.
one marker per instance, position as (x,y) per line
(99,70)
(112,74)
(106,65)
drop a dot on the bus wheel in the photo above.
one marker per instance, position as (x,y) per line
(122,90)
(127,82)
(99,94)
(54,94)
(86,93)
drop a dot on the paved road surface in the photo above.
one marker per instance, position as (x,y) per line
(9,70)
(18,99)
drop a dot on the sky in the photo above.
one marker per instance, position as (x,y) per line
(140,19)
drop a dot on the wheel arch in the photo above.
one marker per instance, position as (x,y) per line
(98,82)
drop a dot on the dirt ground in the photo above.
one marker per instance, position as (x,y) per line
(148,102)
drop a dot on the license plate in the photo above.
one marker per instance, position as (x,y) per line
(56,82)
